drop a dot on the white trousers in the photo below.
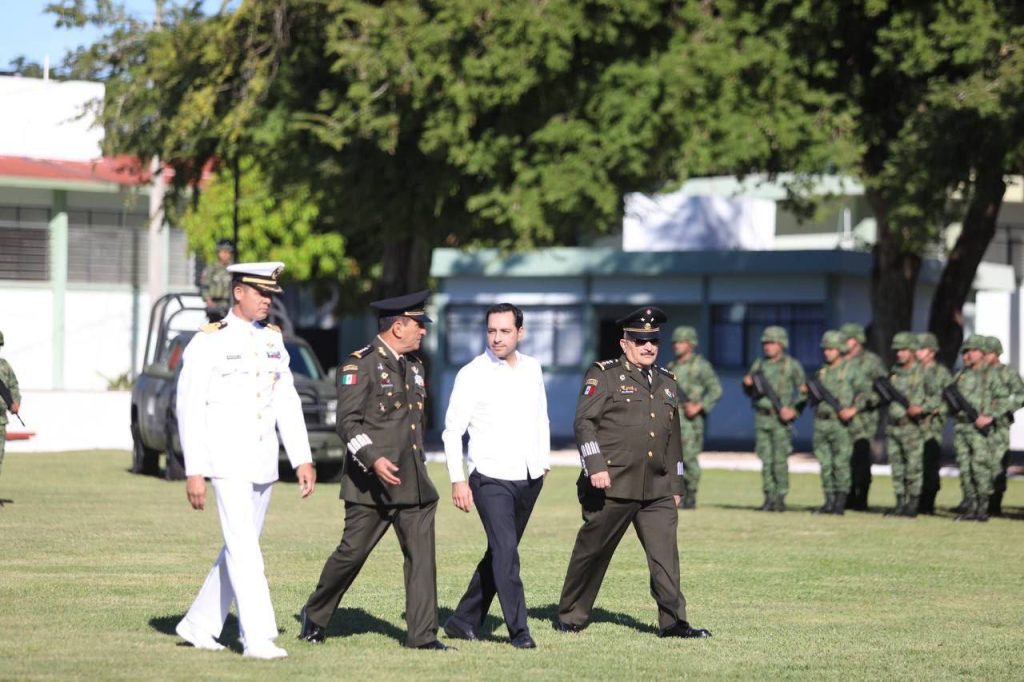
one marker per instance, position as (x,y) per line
(238,573)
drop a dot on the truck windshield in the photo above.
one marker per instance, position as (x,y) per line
(302,362)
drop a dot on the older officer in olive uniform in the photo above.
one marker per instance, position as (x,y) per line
(628,439)
(773,426)
(10,383)
(381,395)
(936,378)
(235,395)
(699,391)
(864,429)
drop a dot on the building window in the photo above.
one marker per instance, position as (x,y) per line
(24,243)
(110,247)
(554,334)
(736,332)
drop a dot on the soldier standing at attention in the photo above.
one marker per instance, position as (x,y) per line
(381,394)
(936,378)
(773,423)
(215,282)
(832,444)
(1014,387)
(903,429)
(866,366)
(973,439)
(10,381)
(628,439)
(235,394)
(699,391)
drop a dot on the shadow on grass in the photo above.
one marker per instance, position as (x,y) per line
(228,636)
(347,622)
(549,613)
(4,503)
(486,632)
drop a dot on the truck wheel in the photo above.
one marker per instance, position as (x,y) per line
(145,460)
(174,469)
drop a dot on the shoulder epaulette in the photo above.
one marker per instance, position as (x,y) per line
(211,327)
(414,358)
(607,364)
(273,327)
(666,372)
(362,351)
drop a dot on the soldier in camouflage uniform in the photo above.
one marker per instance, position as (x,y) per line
(215,282)
(773,429)
(936,378)
(9,379)
(697,380)
(1015,390)
(975,447)
(832,445)
(903,429)
(866,366)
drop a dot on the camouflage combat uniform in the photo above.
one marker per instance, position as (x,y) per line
(1014,387)
(936,378)
(697,379)
(904,434)
(773,438)
(8,377)
(865,366)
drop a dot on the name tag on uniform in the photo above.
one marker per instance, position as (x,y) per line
(627,390)
(276,355)
(234,357)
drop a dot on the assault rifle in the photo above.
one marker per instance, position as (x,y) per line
(958,403)
(763,389)
(8,398)
(820,394)
(889,393)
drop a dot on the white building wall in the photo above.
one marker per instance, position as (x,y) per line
(46,119)
(98,343)
(27,324)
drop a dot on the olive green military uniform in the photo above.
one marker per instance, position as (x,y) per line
(974,449)
(832,443)
(8,377)
(380,414)
(215,284)
(773,438)
(697,380)
(627,427)
(866,366)
(936,378)
(1014,388)
(904,433)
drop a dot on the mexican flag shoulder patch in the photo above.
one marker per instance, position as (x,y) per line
(349,379)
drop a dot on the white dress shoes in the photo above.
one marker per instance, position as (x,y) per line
(266,650)
(196,637)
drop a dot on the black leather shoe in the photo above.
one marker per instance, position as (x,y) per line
(454,631)
(683,629)
(524,641)
(311,632)
(567,627)
(436,645)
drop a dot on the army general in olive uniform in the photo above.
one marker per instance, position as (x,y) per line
(699,391)
(381,395)
(628,440)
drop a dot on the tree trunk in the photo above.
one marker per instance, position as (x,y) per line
(946,319)
(894,275)
(405,266)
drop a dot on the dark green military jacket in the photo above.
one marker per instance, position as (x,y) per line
(786,375)
(936,378)
(629,428)
(911,381)
(849,389)
(380,414)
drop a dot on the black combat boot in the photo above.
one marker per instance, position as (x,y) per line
(981,512)
(840,505)
(995,504)
(970,510)
(780,504)
(962,507)
(898,509)
(828,507)
(769,502)
(910,509)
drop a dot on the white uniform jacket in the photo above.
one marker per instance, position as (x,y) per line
(235,388)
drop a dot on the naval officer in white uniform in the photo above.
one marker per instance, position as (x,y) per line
(235,388)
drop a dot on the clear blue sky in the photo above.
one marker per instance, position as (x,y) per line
(28,30)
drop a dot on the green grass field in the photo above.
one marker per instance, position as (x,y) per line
(97,566)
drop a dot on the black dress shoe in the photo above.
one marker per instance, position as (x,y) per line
(567,627)
(436,645)
(682,629)
(311,632)
(524,641)
(454,631)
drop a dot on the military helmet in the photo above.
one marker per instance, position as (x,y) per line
(685,334)
(973,342)
(993,345)
(927,340)
(833,339)
(225,245)
(852,330)
(775,334)
(905,341)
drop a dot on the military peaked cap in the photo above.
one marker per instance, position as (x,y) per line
(261,276)
(643,323)
(410,305)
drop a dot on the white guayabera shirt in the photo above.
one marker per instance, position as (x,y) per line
(505,410)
